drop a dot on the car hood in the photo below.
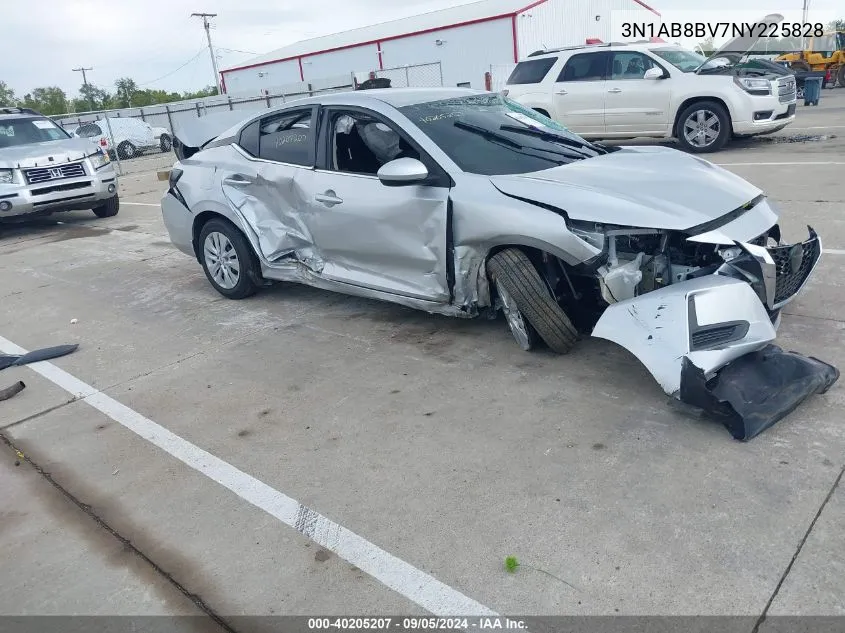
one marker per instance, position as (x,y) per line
(45,154)
(648,187)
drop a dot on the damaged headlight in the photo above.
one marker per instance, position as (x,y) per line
(6,176)
(99,160)
(590,232)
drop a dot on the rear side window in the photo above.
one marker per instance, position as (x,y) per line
(88,130)
(532,71)
(287,137)
(585,67)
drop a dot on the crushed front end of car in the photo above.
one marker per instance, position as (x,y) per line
(701,311)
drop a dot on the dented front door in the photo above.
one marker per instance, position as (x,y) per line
(391,239)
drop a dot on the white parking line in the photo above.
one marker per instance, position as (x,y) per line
(833,251)
(141,204)
(827,162)
(405,579)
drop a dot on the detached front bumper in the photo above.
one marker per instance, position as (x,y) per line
(708,341)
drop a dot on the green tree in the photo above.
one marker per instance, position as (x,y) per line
(706,47)
(7,95)
(91,98)
(126,90)
(49,100)
(837,25)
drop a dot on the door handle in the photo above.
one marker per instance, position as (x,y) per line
(236,181)
(615,90)
(561,92)
(328,198)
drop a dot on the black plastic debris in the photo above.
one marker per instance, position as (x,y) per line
(757,390)
(12,390)
(7,360)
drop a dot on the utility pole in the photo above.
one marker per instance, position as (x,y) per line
(85,83)
(803,22)
(207,26)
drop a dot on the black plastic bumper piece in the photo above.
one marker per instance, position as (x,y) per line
(757,390)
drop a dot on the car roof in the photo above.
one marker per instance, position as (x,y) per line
(603,46)
(397,97)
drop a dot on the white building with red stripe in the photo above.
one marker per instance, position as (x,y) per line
(466,40)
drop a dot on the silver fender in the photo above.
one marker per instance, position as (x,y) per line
(710,320)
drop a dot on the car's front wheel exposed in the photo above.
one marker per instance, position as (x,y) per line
(109,209)
(165,143)
(227,260)
(530,309)
(704,126)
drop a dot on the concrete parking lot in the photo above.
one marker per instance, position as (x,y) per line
(303,452)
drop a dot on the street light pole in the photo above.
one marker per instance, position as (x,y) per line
(85,83)
(207,26)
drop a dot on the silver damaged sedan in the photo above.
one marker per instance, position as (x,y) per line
(463,203)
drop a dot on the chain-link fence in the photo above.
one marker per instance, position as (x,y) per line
(416,76)
(128,133)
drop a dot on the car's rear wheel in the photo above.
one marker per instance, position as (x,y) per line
(126,150)
(109,209)
(530,309)
(165,143)
(840,76)
(228,260)
(704,126)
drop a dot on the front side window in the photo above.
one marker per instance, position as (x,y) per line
(585,67)
(629,65)
(490,134)
(361,144)
(286,137)
(88,130)
(25,131)
(532,71)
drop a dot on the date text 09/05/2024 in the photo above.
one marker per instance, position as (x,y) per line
(722,29)
(415,624)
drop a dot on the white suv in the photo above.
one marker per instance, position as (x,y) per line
(654,90)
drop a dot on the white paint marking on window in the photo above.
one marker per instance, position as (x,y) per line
(403,578)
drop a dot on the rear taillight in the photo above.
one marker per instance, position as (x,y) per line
(103,142)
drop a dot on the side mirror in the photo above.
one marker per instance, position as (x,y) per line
(654,73)
(402,171)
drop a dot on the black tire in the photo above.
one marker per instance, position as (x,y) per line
(127,150)
(165,143)
(840,76)
(724,123)
(514,271)
(249,272)
(109,209)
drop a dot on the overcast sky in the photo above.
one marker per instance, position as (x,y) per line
(148,40)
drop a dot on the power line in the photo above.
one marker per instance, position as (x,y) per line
(152,81)
(82,69)
(207,26)
(235,50)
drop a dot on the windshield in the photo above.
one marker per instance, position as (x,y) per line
(680,58)
(825,44)
(489,134)
(25,131)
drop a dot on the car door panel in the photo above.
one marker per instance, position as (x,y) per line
(579,93)
(634,105)
(391,239)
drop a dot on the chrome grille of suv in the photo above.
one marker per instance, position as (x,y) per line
(786,89)
(43,174)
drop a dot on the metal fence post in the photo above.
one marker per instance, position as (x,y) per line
(267,97)
(407,78)
(198,109)
(440,68)
(169,118)
(231,107)
(141,110)
(116,153)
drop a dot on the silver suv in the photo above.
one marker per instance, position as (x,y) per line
(43,169)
